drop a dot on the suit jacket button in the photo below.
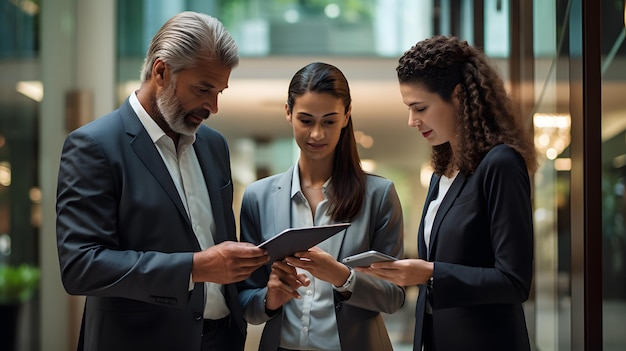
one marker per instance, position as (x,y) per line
(197,315)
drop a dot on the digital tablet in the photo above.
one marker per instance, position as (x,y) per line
(364,259)
(292,240)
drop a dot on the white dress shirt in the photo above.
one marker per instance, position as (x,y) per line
(309,323)
(429,219)
(433,207)
(184,168)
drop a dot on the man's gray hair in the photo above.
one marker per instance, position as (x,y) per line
(188,38)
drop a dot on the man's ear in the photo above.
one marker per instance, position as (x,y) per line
(159,69)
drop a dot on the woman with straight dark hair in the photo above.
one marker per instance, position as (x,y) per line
(311,301)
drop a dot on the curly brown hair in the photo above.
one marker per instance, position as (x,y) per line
(486,115)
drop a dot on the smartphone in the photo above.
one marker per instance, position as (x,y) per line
(364,259)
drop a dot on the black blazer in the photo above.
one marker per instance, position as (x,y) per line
(125,241)
(482,246)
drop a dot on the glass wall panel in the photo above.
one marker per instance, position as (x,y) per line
(551,121)
(455,17)
(19,23)
(497,31)
(613,175)
(293,27)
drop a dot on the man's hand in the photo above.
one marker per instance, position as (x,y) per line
(227,262)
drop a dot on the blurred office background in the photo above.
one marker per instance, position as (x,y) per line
(65,62)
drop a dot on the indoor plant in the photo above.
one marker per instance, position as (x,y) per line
(17,286)
(17,283)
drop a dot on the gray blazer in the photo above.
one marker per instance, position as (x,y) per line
(125,241)
(265,211)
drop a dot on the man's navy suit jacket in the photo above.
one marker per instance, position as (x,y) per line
(126,242)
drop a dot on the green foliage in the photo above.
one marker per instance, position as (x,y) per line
(18,283)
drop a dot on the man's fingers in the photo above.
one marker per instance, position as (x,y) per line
(240,249)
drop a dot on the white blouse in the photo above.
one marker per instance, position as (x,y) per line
(433,207)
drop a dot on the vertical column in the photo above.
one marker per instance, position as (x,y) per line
(57,59)
(96,29)
(522,73)
(479,23)
(586,192)
(77,53)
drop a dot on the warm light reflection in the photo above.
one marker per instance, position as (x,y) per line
(552,133)
(363,139)
(35,195)
(563,164)
(5,173)
(426,172)
(619,161)
(369,166)
(27,6)
(125,89)
(31,89)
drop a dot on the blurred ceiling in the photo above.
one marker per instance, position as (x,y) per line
(253,105)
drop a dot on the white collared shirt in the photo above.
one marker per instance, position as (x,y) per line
(184,169)
(433,207)
(309,323)
(444,185)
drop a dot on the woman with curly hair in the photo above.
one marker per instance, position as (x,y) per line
(475,240)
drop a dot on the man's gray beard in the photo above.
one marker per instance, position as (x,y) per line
(173,113)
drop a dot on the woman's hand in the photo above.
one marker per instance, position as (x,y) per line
(321,265)
(401,272)
(282,285)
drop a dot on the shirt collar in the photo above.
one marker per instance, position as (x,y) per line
(295,182)
(154,131)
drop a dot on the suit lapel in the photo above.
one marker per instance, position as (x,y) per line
(447,202)
(433,190)
(207,164)
(147,152)
(281,200)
